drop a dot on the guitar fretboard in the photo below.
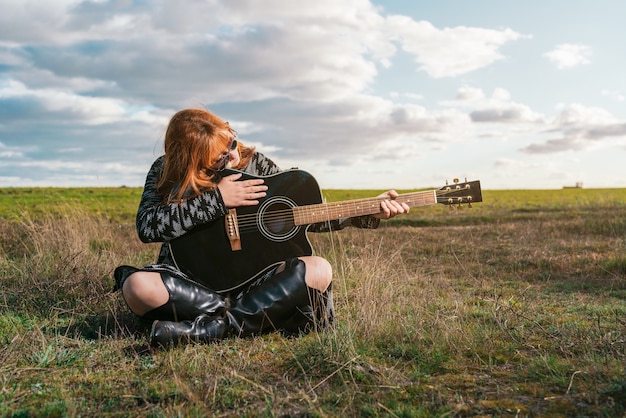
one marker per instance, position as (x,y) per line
(306,215)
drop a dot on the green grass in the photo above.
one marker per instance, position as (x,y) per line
(515,307)
(113,203)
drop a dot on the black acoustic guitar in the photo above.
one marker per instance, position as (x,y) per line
(231,252)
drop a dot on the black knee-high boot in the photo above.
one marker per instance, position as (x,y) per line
(203,329)
(187,299)
(278,303)
(273,304)
(319,314)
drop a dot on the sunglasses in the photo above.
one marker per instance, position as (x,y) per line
(221,164)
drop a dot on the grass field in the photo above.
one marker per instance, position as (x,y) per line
(516,307)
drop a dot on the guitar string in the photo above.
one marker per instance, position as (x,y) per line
(286,216)
(314,210)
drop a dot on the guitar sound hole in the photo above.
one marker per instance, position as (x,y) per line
(276,219)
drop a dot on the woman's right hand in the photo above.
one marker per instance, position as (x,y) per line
(241,193)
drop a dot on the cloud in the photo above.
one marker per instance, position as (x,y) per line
(614,94)
(46,121)
(469,94)
(576,127)
(498,108)
(509,113)
(569,55)
(449,52)
(90,110)
(580,127)
(356,125)
(90,170)
(10,152)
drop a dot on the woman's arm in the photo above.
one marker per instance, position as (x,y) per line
(365,222)
(158,222)
(260,165)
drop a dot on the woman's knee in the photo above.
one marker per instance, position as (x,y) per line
(319,272)
(144,291)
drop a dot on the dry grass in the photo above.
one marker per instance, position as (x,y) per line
(502,311)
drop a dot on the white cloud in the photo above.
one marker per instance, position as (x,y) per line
(506,113)
(576,114)
(449,52)
(498,108)
(569,55)
(579,127)
(470,94)
(87,110)
(31,20)
(12,152)
(614,94)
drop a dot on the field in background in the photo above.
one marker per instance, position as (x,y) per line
(513,308)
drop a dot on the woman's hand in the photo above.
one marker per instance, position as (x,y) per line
(390,206)
(241,193)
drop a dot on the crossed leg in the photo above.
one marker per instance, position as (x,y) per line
(144,290)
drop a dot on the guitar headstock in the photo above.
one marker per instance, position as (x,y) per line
(460,193)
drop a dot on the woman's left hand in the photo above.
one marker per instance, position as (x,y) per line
(390,206)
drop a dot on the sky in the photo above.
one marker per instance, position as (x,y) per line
(362,94)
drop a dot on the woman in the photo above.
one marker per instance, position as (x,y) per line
(184,188)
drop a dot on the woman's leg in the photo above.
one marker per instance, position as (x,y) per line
(319,279)
(144,291)
(295,298)
(319,272)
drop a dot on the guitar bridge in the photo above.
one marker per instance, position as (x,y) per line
(232,229)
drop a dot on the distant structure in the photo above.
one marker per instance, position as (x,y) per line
(579,185)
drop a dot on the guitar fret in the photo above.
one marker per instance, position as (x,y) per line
(306,215)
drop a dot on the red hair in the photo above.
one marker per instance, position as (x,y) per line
(195,141)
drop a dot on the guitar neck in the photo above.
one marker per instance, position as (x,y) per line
(306,215)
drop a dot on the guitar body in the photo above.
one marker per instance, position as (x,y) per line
(267,233)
